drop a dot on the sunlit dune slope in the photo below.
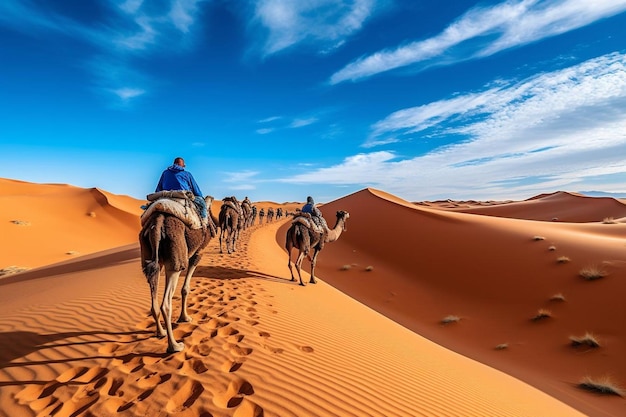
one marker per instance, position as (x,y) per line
(47,223)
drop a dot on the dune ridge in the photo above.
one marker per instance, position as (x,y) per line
(559,206)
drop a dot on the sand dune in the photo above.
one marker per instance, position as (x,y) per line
(495,274)
(76,337)
(559,206)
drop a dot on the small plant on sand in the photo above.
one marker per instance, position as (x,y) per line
(537,238)
(563,259)
(609,220)
(502,346)
(558,297)
(91,214)
(369,268)
(346,267)
(603,385)
(592,273)
(12,270)
(450,319)
(20,222)
(587,340)
(552,248)
(542,314)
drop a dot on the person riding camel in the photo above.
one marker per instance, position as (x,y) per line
(316,214)
(176,178)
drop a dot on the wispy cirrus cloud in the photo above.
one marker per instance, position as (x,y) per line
(486,31)
(324,22)
(127,30)
(274,123)
(560,130)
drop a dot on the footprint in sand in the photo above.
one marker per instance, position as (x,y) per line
(248,409)
(264,334)
(233,396)
(306,349)
(273,349)
(227,331)
(193,366)
(128,364)
(202,349)
(230,366)
(185,397)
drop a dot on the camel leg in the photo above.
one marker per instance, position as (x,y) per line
(156,311)
(184,291)
(299,266)
(166,309)
(313,262)
(221,236)
(289,265)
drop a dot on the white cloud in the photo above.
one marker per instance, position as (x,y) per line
(510,24)
(297,123)
(327,21)
(240,176)
(127,93)
(556,130)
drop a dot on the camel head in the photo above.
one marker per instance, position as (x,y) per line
(343,215)
(208,200)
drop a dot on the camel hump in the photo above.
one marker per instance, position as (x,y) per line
(229,203)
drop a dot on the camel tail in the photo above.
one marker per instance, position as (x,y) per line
(151,267)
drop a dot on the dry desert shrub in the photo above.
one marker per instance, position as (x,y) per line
(537,238)
(609,220)
(71,252)
(502,346)
(91,214)
(593,272)
(450,319)
(20,222)
(557,297)
(12,270)
(563,259)
(552,248)
(345,267)
(542,314)
(603,385)
(587,340)
(369,268)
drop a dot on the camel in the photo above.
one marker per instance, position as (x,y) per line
(270,214)
(305,239)
(166,241)
(229,223)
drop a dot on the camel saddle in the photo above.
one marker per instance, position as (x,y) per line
(183,208)
(227,202)
(307,221)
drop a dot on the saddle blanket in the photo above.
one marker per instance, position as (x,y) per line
(182,208)
(307,222)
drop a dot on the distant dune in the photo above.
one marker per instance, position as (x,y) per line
(420,309)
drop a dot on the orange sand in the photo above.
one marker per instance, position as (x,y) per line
(76,337)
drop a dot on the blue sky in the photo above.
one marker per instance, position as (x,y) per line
(278,99)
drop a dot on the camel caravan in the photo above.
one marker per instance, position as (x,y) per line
(174,235)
